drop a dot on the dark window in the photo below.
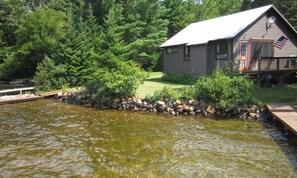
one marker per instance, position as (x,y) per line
(222,50)
(256,48)
(187,53)
(259,48)
(171,50)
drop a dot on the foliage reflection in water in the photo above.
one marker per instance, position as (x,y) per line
(47,138)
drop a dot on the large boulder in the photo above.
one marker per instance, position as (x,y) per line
(160,103)
(210,109)
(178,102)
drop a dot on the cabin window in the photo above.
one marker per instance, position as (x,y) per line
(171,50)
(222,50)
(244,49)
(187,53)
(261,48)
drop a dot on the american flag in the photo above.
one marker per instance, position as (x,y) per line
(281,42)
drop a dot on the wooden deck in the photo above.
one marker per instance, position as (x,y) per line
(279,67)
(285,114)
(22,98)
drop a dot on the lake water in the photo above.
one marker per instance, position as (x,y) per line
(47,138)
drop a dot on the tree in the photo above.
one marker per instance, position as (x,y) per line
(153,31)
(113,44)
(286,7)
(50,76)
(229,6)
(79,48)
(38,36)
(175,11)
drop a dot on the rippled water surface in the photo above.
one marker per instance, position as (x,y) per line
(50,139)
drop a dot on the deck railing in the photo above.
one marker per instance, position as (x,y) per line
(277,64)
(17,89)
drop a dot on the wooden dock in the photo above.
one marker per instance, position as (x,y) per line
(285,114)
(19,99)
(23,98)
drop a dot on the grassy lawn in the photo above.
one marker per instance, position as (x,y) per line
(278,94)
(153,83)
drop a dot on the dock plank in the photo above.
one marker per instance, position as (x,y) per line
(19,99)
(279,107)
(285,114)
(52,93)
(22,98)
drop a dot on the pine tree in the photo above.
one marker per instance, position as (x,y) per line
(175,14)
(153,31)
(113,46)
(78,48)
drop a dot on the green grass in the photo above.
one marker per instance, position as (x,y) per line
(278,94)
(154,82)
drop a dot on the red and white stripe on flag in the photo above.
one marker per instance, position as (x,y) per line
(280,43)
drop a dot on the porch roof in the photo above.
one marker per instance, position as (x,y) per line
(224,27)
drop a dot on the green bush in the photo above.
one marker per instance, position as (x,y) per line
(180,78)
(50,76)
(188,92)
(166,93)
(119,81)
(225,91)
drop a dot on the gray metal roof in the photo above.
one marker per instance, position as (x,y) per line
(224,27)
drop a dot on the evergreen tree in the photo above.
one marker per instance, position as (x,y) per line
(229,6)
(78,49)
(154,32)
(175,11)
(113,45)
(286,7)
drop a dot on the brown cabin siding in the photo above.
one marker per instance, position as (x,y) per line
(258,31)
(212,62)
(198,59)
(175,62)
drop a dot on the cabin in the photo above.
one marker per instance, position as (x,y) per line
(255,40)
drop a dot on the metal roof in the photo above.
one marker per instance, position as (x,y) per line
(224,27)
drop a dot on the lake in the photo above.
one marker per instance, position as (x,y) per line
(47,138)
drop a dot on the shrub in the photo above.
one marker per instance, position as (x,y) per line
(166,93)
(180,78)
(49,76)
(188,92)
(225,91)
(119,81)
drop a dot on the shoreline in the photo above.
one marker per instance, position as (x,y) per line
(176,107)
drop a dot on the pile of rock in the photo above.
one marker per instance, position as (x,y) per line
(177,107)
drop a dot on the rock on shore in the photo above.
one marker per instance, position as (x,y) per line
(177,107)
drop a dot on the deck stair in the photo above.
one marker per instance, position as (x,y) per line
(285,114)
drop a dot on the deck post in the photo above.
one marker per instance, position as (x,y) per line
(259,72)
(277,64)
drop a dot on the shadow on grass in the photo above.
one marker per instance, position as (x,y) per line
(278,94)
(154,80)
